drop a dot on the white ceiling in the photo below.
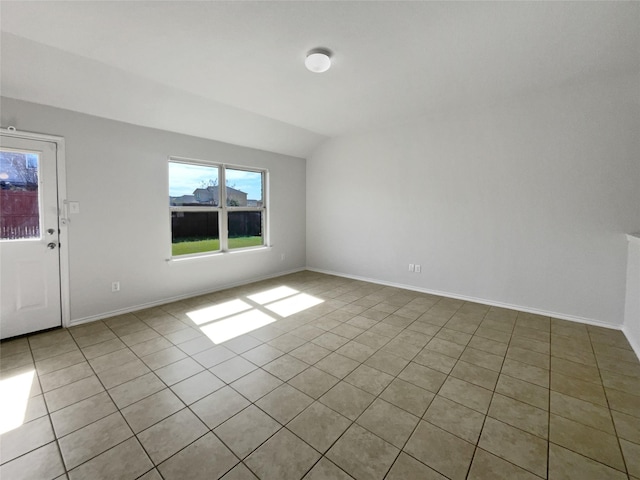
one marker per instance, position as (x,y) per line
(233,71)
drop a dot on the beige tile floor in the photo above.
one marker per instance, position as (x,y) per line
(350,379)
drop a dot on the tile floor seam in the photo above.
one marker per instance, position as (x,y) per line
(118,411)
(48,413)
(526,381)
(148,471)
(402,449)
(185,447)
(507,461)
(354,422)
(516,427)
(242,460)
(79,428)
(187,407)
(67,470)
(569,374)
(314,464)
(421,462)
(322,455)
(606,396)
(484,420)
(55,435)
(549,412)
(587,457)
(254,448)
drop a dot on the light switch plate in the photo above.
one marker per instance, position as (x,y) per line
(74,207)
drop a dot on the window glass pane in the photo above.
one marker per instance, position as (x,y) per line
(194,232)
(19,210)
(245,229)
(193,185)
(244,188)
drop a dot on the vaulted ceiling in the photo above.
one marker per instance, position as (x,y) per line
(233,71)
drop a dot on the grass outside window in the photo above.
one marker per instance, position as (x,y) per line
(212,245)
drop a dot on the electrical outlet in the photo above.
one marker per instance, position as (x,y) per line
(411,267)
(115,286)
(418,268)
(282,257)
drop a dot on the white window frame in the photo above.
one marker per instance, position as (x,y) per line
(222,208)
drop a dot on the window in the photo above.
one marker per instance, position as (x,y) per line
(206,218)
(19,196)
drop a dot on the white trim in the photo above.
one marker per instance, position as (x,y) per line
(266,207)
(633,237)
(561,316)
(223,217)
(631,297)
(218,253)
(632,341)
(65,306)
(164,301)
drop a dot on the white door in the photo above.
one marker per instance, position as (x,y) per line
(29,237)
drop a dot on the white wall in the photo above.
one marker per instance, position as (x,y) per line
(525,204)
(118,173)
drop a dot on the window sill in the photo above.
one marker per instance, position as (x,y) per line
(207,256)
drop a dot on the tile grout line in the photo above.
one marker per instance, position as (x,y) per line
(583,424)
(46,406)
(155,466)
(486,415)
(135,435)
(114,403)
(549,402)
(119,410)
(606,396)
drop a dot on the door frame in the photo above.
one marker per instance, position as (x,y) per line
(63,217)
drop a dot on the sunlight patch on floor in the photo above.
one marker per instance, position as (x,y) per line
(14,399)
(294,304)
(219,311)
(272,295)
(232,327)
(227,320)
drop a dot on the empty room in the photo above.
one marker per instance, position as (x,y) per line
(287,240)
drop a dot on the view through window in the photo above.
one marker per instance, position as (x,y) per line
(19,209)
(206,218)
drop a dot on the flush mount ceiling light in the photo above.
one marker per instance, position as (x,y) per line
(318,60)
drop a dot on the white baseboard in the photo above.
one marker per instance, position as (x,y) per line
(561,316)
(520,308)
(164,301)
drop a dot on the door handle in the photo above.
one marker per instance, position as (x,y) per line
(51,245)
